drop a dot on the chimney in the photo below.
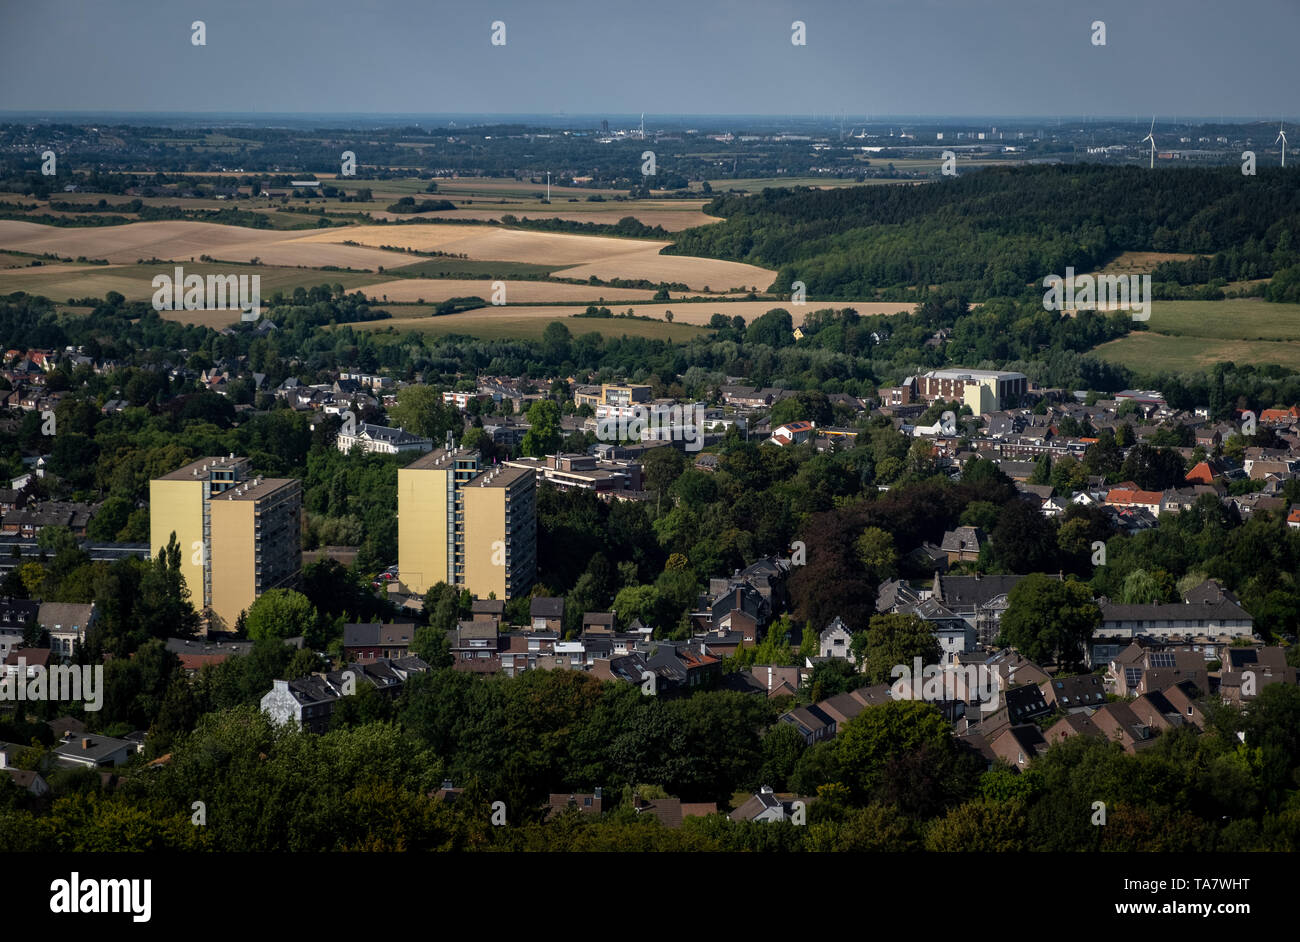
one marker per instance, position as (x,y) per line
(85,743)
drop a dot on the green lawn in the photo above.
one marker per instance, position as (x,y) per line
(1193,335)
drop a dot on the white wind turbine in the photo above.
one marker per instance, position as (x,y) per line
(1281,136)
(1151,137)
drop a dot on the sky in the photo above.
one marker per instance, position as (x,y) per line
(1174,58)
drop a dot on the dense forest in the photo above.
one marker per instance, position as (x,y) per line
(1001,231)
(893,779)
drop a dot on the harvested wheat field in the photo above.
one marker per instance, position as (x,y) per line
(75,281)
(217,320)
(607,258)
(699,274)
(489,242)
(602,256)
(517,292)
(183,240)
(690,314)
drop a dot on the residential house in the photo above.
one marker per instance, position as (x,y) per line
(593,803)
(1025,703)
(682,667)
(767,807)
(671,811)
(979,599)
(476,641)
(1149,669)
(813,723)
(1071,694)
(1173,620)
(15,617)
(1150,501)
(493,610)
(195,653)
(308,702)
(835,640)
(67,623)
(370,641)
(93,751)
(776,681)
(1018,745)
(598,622)
(1072,724)
(963,545)
(792,433)
(547,614)
(1248,670)
(1280,416)
(1118,723)
(630,668)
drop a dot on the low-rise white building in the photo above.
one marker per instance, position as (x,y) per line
(384,440)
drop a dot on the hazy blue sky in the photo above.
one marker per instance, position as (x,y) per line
(931,57)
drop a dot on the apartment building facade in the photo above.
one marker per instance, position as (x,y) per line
(465,525)
(239,535)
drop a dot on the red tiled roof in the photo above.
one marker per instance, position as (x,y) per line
(1121,496)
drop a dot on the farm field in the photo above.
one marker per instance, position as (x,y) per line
(287,259)
(580,256)
(184,240)
(517,292)
(491,199)
(134,282)
(1140,263)
(514,323)
(1192,335)
(684,314)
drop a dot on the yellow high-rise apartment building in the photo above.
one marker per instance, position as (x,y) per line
(466,526)
(239,535)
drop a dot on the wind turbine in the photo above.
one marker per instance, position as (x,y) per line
(1151,137)
(1281,136)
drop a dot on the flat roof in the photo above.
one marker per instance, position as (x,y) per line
(255,491)
(186,472)
(440,458)
(973,374)
(499,476)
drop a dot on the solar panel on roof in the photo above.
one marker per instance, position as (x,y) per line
(1162,659)
(1132,676)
